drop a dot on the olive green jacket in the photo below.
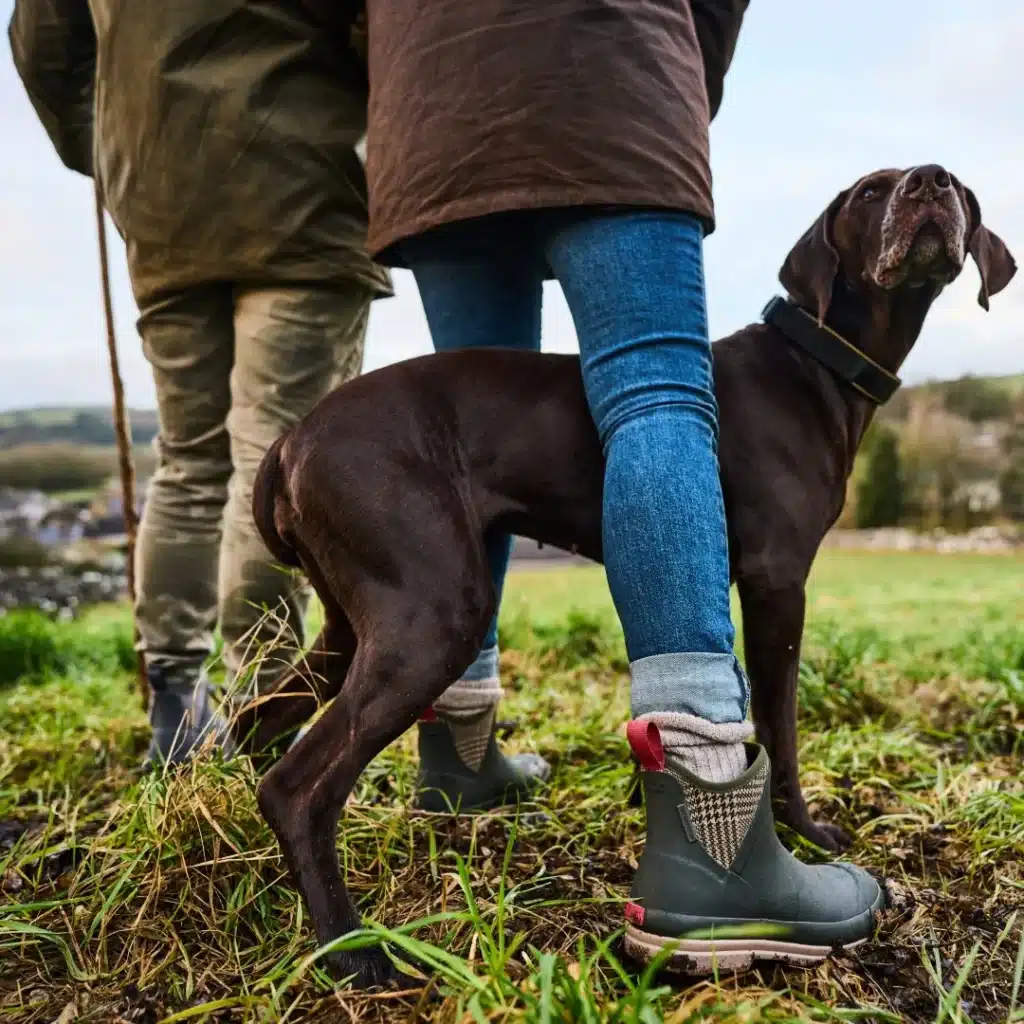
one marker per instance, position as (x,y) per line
(223,133)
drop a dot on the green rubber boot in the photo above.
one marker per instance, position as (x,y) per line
(717,886)
(447,783)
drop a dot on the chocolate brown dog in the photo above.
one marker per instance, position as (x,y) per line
(384,493)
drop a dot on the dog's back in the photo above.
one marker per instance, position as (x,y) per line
(468,422)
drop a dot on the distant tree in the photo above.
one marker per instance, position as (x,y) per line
(880,489)
(897,409)
(977,399)
(91,428)
(1011,480)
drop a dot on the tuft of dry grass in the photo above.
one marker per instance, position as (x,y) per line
(163,897)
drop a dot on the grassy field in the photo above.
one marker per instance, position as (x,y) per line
(163,898)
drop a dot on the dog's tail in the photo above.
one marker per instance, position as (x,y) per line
(267,494)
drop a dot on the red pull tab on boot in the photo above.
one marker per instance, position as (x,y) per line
(635,914)
(430,715)
(645,741)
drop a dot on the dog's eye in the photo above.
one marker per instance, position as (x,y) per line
(869,192)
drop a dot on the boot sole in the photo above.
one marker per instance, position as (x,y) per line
(507,798)
(498,802)
(705,957)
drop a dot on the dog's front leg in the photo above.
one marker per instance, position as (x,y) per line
(773,624)
(265,727)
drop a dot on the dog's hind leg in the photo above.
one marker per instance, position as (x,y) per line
(411,643)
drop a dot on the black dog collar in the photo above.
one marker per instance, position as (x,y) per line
(874,382)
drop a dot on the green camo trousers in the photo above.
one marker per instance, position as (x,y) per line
(234,367)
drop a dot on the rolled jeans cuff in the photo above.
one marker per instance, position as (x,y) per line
(484,667)
(710,686)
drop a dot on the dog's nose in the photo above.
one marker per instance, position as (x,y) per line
(926,182)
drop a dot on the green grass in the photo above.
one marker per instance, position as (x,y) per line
(164,897)
(76,495)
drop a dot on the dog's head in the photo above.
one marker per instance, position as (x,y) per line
(893,232)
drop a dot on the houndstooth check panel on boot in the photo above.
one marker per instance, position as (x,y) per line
(721,819)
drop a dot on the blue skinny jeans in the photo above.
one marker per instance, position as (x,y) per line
(634,283)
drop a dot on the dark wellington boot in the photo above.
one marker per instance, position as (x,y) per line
(182,716)
(446,783)
(715,884)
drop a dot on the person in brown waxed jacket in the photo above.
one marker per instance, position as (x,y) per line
(512,141)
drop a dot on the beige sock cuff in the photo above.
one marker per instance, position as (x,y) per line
(681,730)
(469,697)
(712,751)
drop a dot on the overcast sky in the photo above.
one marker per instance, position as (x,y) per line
(820,93)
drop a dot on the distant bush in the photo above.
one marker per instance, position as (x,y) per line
(22,551)
(93,429)
(1011,480)
(29,647)
(55,467)
(977,399)
(33,646)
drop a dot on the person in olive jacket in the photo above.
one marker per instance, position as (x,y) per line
(223,134)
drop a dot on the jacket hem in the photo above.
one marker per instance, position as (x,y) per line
(383,247)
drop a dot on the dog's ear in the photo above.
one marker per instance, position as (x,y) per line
(809,271)
(995,263)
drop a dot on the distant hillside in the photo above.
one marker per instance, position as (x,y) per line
(85,426)
(977,399)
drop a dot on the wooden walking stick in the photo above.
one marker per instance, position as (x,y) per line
(123,435)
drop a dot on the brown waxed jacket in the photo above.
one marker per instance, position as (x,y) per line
(496,105)
(223,131)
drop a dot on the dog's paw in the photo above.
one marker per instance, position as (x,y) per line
(827,836)
(369,969)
